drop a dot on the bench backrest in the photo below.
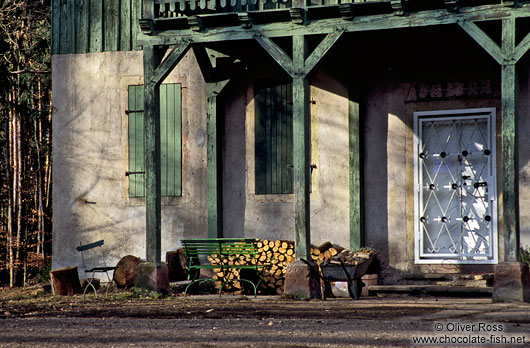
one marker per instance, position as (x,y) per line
(193,249)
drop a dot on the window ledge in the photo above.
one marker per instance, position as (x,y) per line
(273,198)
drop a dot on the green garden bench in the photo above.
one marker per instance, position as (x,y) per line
(227,251)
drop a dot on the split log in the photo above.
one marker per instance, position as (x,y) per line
(125,271)
(324,246)
(65,281)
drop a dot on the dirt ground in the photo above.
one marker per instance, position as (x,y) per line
(32,318)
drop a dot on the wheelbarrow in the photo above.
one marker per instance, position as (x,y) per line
(341,272)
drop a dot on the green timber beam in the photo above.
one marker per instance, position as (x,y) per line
(152,58)
(510,157)
(299,68)
(331,25)
(483,40)
(356,212)
(277,53)
(507,56)
(155,71)
(170,61)
(322,49)
(301,150)
(522,48)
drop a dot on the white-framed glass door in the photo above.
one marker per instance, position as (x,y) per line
(455,186)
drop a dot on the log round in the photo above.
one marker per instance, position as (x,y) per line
(65,281)
(126,271)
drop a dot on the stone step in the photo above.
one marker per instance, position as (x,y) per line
(429,290)
(467,280)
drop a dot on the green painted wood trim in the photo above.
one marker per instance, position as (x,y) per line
(357,237)
(152,58)
(111,24)
(167,65)
(125,25)
(330,25)
(276,52)
(483,40)
(321,50)
(82,18)
(510,158)
(214,165)
(136,11)
(82,26)
(56,26)
(67,32)
(96,26)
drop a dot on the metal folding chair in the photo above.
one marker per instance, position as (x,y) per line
(91,271)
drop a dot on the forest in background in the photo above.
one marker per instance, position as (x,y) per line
(25,140)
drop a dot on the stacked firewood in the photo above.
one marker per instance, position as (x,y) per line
(348,257)
(324,252)
(275,255)
(230,276)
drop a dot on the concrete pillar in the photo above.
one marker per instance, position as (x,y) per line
(151,276)
(301,281)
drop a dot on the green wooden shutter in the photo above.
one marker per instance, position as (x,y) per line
(274,140)
(170,140)
(136,142)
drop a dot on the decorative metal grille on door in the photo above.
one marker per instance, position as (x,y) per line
(455,186)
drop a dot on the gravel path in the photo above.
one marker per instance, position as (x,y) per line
(207,321)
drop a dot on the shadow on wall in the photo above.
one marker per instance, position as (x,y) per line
(233,158)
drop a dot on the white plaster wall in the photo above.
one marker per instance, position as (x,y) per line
(524,151)
(90,157)
(330,217)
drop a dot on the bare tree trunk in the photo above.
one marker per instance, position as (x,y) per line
(12,195)
(47,166)
(38,184)
(18,183)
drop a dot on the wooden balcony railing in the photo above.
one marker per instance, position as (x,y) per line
(178,8)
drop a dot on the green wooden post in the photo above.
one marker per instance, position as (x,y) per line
(510,162)
(301,148)
(152,58)
(507,56)
(356,213)
(155,71)
(299,68)
(215,197)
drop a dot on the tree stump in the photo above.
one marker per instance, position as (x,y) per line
(176,263)
(125,271)
(65,281)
